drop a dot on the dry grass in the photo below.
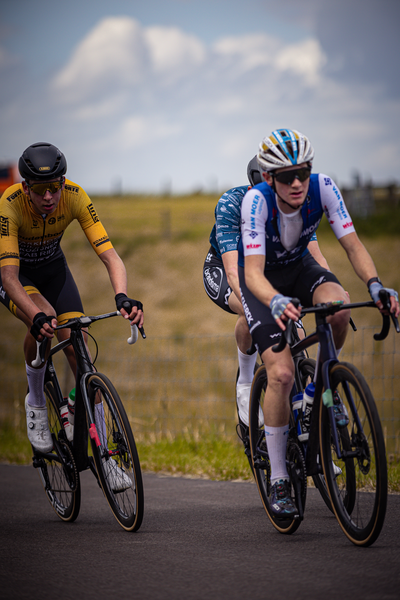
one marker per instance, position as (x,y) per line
(163,242)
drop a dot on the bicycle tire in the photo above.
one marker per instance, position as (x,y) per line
(260,459)
(127,505)
(242,429)
(59,476)
(362,517)
(306,370)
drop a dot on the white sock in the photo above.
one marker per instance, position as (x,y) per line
(35,384)
(276,438)
(247,363)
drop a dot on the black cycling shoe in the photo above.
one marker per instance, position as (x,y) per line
(280,501)
(341,414)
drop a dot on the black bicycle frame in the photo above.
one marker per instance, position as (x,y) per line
(82,403)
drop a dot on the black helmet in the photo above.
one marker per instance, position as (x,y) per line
(41,162)
(253,172)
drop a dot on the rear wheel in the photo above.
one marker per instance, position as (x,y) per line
(261,464)
(359,491)
(116,458)
(57,469)
(242,429)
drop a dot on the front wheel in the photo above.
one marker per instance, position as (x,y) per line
(357,480)
(260,459)
(115,454)
(306,372)
(57,469)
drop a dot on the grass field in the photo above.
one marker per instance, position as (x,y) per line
(163,241)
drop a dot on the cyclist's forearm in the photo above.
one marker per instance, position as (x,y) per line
(116,271)
(316,253)
(230,260)
(359,257)
(14,289)
(256,281)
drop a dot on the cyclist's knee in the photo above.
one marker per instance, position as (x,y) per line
(280,373)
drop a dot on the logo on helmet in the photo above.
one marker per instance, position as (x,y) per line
(44,168)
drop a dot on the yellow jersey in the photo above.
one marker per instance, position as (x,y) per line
(32,239)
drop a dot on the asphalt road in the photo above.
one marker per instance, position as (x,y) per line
(199,539)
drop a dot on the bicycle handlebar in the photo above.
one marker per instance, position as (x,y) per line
(333,307)
(80,323)
(287,334)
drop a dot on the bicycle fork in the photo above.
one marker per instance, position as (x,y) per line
(328,360)
(93,433)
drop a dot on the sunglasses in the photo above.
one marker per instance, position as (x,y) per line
(41,188)
(288,177)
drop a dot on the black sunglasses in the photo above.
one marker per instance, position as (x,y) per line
(288,177)
(41,188)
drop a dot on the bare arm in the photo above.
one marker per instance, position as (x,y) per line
(230,262)
(26,308)
(116,270)
(317,254)
(13,287)
(119,281)
(363,264)
(359,257)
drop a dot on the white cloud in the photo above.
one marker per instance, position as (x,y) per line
(136,131)
(173,51)
(305,59)
(248,52)
(113,55)
(131,93)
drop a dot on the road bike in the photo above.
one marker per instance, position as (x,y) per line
(99,417)
(347,462)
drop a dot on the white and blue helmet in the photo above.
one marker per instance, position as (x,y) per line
(284,148)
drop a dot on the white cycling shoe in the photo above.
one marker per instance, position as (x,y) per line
(243,403)
(336,470)
(117,479)
(38,427)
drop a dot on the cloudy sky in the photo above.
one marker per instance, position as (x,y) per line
(175,95)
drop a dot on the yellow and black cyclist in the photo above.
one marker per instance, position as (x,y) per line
(36,284)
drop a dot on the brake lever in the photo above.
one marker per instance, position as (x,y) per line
(40,353)
(134,328)
(384,297)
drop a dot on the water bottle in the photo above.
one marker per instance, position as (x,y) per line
(297,405)
(308,399)
(71,407)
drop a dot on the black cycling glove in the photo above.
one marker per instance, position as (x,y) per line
(122,301)
(38,321)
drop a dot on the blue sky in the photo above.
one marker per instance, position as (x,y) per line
(177,94)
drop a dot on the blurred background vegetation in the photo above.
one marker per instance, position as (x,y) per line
(184,373)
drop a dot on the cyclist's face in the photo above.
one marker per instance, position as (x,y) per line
(46,204)
(294,193)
